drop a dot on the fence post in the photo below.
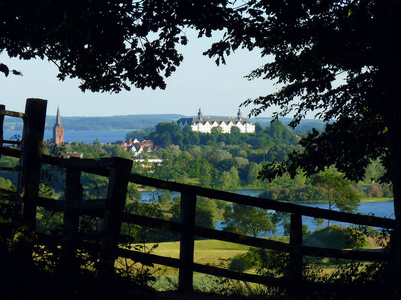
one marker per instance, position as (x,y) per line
(2,107)
(114,207)
(187,242)
(31,158)
(295,266)
(393,257)
(73,195)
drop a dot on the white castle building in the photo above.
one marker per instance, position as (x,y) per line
(205,124)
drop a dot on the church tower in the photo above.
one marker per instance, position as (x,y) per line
(58,130)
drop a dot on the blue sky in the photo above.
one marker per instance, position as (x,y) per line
(197,83)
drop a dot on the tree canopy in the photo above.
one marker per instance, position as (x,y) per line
(248,220)
(333,57)
(337,190)
(338,59)
(329,57)
(108,45)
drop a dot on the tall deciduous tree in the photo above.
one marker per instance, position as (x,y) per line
(340,60)
(166,134)
(337,190)
(248,220)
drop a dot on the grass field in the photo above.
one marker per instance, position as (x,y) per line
(213,252)
(376,199)
(206,251)
(210,252)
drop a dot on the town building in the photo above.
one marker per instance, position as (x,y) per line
(74,154)
(136,147)
(205,124)
(58,130)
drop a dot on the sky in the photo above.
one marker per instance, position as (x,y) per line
(197,84)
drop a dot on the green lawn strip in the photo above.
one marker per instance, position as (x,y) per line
(213,249)
(376,199)
(206,252)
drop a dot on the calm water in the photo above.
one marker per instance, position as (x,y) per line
(383,209)
(380,209)
(79,136)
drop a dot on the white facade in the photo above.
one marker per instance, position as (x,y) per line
(205,125)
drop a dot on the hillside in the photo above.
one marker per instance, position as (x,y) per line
(142,121)
(129,122)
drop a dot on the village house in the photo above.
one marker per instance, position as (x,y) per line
(136,147)
(74,154)
(125,144)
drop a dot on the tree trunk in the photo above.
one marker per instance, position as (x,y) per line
(389,23)
(394,121)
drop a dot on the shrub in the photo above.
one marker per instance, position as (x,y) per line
(374,190)
(241,263)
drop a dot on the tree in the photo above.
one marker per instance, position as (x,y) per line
(337,190)
(235,180)
(225,181)
(221,154)
(248,220)
(108,45)
(190,137)
(252,175)
(167,134)
(206,212)
(227,164)
(6,184)
(164,198)
(234,137)
(373,172)
(279,133)
(205,176)
(338,60)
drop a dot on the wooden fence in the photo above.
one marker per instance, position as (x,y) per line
(111,210)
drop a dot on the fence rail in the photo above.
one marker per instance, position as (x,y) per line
(111,209)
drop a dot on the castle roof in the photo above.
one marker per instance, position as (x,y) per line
(204,120)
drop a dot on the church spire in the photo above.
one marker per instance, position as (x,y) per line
(58,129)
(58,118)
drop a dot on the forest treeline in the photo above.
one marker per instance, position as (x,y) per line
(233,161)
(217,160)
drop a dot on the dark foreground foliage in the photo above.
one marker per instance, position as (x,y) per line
(23,278)
(50,275)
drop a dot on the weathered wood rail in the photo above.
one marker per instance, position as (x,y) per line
(111,210)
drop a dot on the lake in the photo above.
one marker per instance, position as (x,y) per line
(379,209)
(79,136)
